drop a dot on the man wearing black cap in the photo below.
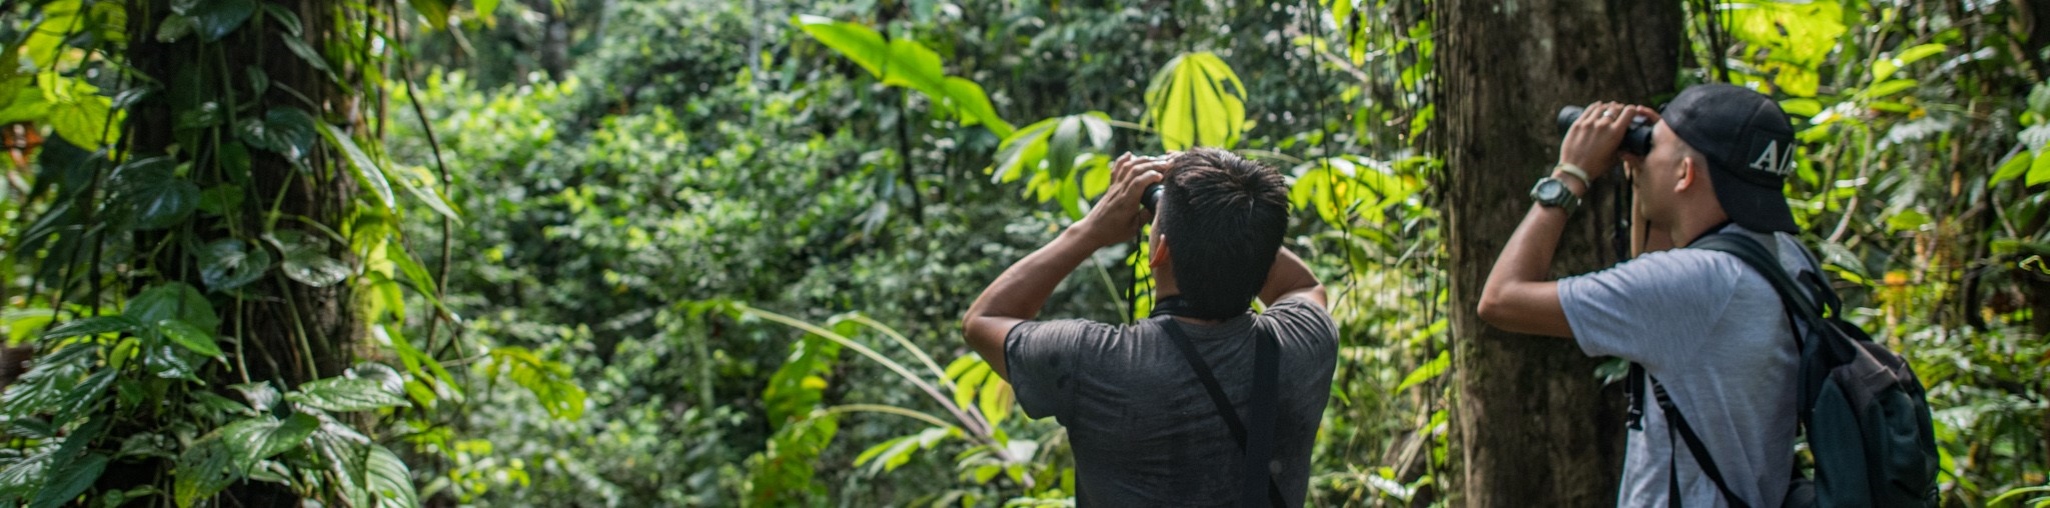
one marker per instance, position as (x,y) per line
(1706,328)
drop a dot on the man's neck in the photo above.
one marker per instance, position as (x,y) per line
(1164,291)
(1691,228)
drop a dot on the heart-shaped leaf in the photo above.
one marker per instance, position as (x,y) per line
(288,131)
(150,195)
(230,263)
(306,259)
(173,300)
(218,18)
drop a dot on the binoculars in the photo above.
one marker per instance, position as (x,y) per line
(1637,140)
(1152,196)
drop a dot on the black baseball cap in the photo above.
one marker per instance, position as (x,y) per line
(1750,149)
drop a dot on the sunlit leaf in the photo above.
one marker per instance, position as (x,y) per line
(1426,372)
(366,170)
(346,394)
(2016,165)
(995,399)
(906,63)
(550,382)
(82,115)
(436,11)
(2039,171)
(1196,100)
(970,382)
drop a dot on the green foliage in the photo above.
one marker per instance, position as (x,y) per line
(906,63)
(1196,100)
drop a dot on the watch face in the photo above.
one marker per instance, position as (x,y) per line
(1549,191)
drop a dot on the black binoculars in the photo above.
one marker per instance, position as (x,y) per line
(1152,195)
(1637,140)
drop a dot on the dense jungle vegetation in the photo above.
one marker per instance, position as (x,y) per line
(715,252)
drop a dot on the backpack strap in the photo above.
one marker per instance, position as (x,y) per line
(1257,443)
(1678,424)
(1752,253)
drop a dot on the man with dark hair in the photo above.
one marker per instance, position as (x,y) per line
(1157,410)
(1714,343)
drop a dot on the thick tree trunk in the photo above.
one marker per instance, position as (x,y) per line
(288,332)
(1535,426)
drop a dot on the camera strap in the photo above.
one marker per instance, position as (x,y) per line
(1258,442)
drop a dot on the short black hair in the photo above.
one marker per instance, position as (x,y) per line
(1226,217)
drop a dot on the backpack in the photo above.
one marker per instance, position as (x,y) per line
(1862,407)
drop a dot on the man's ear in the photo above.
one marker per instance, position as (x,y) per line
(1691,173)
(1159,256)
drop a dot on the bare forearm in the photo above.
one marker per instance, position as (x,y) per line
(1517,296)
(1288,275)
(1024,287)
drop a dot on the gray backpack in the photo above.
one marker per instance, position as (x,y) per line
(1863,409)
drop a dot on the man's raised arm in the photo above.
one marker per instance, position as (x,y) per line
(1017,295)
(1291,277)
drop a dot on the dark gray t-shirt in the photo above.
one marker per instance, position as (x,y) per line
(1145,433)
(1712,331)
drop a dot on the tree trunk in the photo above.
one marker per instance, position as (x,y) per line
(1535,426)
(288,332)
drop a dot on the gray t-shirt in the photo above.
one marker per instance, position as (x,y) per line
(1712,331)
(1145,433)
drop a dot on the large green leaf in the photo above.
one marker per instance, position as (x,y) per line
(1426,372)
(71,480)
(25,475)
(217,18)
(173,300)
(21,101)
(1050,151)
(191,337)
(2039,170)
(387,480)
(82,397)
(436,11)
(53,378)
(93,326)
(366,170)
(2016,165)
(347,394)
(906,63)
(81,114)
(220,457)
(1196,100)
(1786,42)
(551,382)
(288,131)
(230,263)
(150,195)
(306,258)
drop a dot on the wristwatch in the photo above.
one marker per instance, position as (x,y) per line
(1551,192)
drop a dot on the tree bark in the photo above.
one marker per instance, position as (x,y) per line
(1535,426)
